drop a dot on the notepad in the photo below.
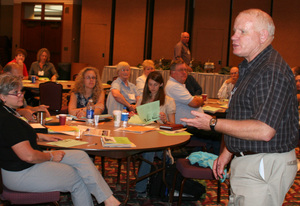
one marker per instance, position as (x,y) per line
(138,129)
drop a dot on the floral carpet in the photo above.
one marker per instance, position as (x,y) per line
(111,166)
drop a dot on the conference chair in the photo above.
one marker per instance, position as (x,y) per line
(51,95)
(191,171)
(9,197)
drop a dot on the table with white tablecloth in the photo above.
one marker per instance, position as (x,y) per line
(210,82)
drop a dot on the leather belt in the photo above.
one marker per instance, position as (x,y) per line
(241,154)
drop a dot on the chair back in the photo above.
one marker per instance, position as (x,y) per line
(51,95)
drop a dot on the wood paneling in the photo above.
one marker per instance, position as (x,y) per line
(210,31)
(95,32)
(286,17)
(167,26)
(129,31)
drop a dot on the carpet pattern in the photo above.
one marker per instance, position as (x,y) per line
(111,166)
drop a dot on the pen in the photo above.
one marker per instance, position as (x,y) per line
(91,144)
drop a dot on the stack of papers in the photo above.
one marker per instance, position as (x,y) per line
(211,109)
(138,129)
(147,113)
(116,142)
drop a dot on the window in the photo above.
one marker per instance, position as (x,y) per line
(43,11)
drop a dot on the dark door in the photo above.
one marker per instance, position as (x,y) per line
(41,34)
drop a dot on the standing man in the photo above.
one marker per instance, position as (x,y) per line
(261,129)
(182,50)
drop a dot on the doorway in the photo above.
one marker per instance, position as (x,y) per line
(41,28)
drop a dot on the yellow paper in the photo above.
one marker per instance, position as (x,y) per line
(174,134)
(62,128)
(135,119)
(67,143)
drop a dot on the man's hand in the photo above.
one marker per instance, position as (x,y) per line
(220,163)
(201,120)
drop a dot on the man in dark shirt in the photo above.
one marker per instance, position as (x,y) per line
(261,129)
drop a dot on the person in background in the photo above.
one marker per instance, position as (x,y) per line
(225,90)
(122,92)
(153,91)
(26,168)
(43,67)
(20,55)
(262,122)
(148,66)
(88,85)
(176,89)
(192,85)
(25,111)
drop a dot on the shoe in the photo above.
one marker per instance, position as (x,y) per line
(141,194)
(169,157)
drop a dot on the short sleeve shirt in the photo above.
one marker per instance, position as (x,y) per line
(14,130)
(129,93)
(265,91)
(182,98)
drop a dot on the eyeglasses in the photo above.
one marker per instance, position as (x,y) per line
(17,94)
(89,78)
(232,73)
(125,70)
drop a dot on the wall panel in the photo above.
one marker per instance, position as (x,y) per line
(97,13)
(210,31)
(129,31)
(287,30)
(167,26)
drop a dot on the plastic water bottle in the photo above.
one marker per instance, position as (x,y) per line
(124,117)
(90,108)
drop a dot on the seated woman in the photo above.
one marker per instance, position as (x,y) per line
(20,55)
(26,168)
(148,66)
(153,91)
(226,88)
(122,92)
(43,67)
(87,86)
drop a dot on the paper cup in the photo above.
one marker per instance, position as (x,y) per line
(117,118)
(62,119)
(96,119)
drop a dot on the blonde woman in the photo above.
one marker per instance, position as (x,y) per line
(87,86)
(148,66)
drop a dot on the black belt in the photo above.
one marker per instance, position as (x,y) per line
(241,154)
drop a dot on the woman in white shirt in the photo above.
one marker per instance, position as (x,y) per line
(148,66)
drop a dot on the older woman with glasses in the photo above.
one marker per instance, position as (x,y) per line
(87,86)
(26,168)
(122,92)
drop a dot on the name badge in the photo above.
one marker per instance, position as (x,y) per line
(131,96)
(40,73)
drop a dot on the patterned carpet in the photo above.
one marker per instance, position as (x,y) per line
(292,198)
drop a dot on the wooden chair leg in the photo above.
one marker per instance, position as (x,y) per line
(171,193)
(181,191)
(219,192)
(103,165)
(119,170)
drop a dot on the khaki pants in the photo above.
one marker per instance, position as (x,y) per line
(248,188)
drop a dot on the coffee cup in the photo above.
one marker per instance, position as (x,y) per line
(62,119)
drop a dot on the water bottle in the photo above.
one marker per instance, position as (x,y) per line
(124,117)
(90,108)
